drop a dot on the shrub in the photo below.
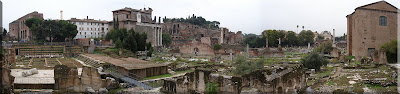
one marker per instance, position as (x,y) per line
(391,50)
(314,61)
(243,66)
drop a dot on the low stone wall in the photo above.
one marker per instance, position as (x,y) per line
(278,80)
(67,79)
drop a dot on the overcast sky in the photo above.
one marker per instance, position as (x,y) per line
(249,16)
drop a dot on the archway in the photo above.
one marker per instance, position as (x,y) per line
(280,90)
(196,50)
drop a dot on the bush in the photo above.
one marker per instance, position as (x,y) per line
(243,66)
(391,50)
(211,88)
(217,46)
(314,61)
(325,47)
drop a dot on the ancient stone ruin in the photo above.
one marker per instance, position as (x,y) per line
(67,79)
(274,80)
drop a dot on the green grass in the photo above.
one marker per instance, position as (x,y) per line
(158,76)
(330,82)
(114,91)
(184,71)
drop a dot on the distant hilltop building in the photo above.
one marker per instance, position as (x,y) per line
(90,28)
(369,26)
(141,21)
(19,31)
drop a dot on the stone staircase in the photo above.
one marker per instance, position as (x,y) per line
(132,82)
(89,61)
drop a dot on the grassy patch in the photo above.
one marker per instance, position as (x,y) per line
(114,91)
(158,76)
(184,71)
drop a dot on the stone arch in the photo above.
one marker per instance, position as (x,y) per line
(280,90)
(196,50)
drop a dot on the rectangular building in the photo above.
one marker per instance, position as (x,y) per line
(19,31)
(90,28)
(369,26)
(140,21)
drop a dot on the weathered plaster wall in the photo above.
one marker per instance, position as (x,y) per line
(67,79)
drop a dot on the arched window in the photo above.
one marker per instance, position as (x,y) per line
(382,21)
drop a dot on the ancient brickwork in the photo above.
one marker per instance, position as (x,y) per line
(19,31)
(67,79)
(196,48)
(369,26)
(277,80)
(183,33)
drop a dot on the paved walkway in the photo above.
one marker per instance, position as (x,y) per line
(176,75)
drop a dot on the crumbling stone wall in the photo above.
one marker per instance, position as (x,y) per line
(279,80)
(267,52)
(379,57)
(67,79)
(196,48)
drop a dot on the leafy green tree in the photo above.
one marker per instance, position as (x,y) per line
(391,50)
(217,46)
(57,31)
(325,47)
(166,39)
(118,44)
(314,61)
(141,42)
(149,49)
(273,36)
(291,39)
(32,21)
(130,42)
(4,32)
(305,37)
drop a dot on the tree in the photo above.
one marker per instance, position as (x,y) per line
(273,36)
(166,39)
(118,44)
(56,31)
(149,49)
(32,21)
(314,61)
(325,47)
(141,42)
(391,50)
(217,46)
(305,37)
(4,32)
(291,38)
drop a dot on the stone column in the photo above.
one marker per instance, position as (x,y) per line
(161,36)
(155,37)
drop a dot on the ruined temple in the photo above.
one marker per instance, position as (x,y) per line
(183,34)
(279,79)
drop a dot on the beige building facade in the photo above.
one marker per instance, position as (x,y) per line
(369,26)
